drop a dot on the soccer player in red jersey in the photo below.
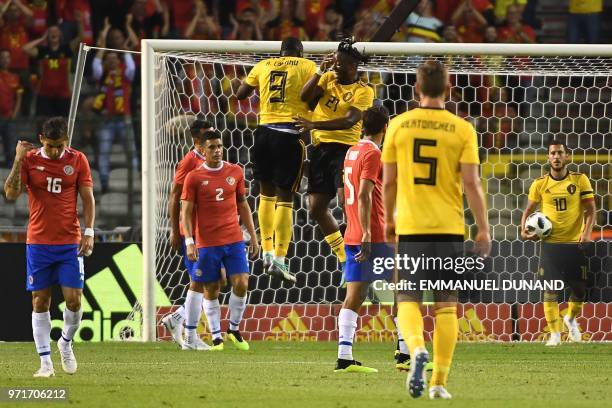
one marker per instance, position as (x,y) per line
(53,176)
(216,191)
(364,238)
(192,160)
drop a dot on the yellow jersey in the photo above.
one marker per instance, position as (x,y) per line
(561,201)
(280,81)
(428,146)
(585,6)
(335,103)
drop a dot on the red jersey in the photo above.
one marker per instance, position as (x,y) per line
(9,88)
(362,162)
(13,37)
(53,186)
(214,192)
(192,160)
(54,68)
(182,12)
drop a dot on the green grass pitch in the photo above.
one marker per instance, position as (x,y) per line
(291,374)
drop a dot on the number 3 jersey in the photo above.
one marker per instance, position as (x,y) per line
(53,186)
(561,201)
(362,162)
(214,192)
(429,145)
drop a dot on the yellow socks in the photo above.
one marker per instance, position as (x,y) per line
(444,341)
(410,322)
(573,309)
(283,227)
(266,221)
(336,242)
(551,311)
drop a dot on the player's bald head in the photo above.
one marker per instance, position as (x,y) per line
(55,128)
(432,79)
(291,47)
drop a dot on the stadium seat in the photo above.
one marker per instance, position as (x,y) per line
(21,206)
(97,186)
(113,204)
(118,180)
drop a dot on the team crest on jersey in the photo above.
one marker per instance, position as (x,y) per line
(571,189)
(40,168)
(31,279)
(204,182)
(347,96)
(198,272)
(68,170)
(230,180)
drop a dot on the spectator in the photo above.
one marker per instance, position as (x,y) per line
(13,35)
(10,104)
(113,102)
(40,16)
(330,29)
(446,10)
(490,34)
(75,19)
(583,21)
(314,11)
(469,21)
(177,16)
(514,31)
(450,35)
(144,24)
(115,38)
(366,25)
(501,9)
(247,27)
(54,60)
(289,22)
(422,26)
(202,26)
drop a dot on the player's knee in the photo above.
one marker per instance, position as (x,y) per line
(41,303)
(196,286)
(240,286)
(74,305)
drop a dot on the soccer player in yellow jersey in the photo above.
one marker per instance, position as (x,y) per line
(278,154)
(427,154)
(340,100)
(567,199)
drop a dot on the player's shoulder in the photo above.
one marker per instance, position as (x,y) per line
(233,167)
(540,180)
(577,175)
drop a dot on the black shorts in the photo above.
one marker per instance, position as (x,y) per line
(436,252)
(326,168)
(567,262)
(278,157)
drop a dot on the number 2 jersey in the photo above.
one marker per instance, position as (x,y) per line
(53,187)
(362,162)
(280,81)
(429,145)
(561,201)
(214,192)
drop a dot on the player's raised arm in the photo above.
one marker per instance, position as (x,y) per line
(476,202)
(345,122)
(311,89)
(13,183)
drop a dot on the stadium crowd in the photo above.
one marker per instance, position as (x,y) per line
(39,42)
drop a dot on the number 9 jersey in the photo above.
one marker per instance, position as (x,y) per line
(53,186)
(429,145)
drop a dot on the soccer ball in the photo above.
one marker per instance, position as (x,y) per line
(538,224)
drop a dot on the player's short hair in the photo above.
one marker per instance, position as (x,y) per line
(557,142)
(210,135)
(55,128)
(292,46)
(346,47)
(199,127)
(374,119)
(432,77)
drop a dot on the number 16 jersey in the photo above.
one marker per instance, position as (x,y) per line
(429,145)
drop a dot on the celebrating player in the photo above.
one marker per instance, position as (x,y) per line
(566,198)
(428,152)
(278,154)
(216,190)
(336,126)
(54,175)
(192,160)
(364,237)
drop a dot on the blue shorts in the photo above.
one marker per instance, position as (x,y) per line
(49,265)
(371,270)
(211,259)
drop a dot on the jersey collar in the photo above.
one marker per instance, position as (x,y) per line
(42,153)
(200,155)
(559,179)
(370,142)
(213,168)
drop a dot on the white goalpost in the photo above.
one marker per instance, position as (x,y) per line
(516,96)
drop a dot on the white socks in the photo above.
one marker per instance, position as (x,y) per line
(179,314)
(403,347)
(347,324)
(41,329)
(193,311)
(236,307)
(212,309)
(72,321)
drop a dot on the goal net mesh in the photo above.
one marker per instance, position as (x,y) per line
(515,103)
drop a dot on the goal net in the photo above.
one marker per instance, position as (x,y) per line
(517,97)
